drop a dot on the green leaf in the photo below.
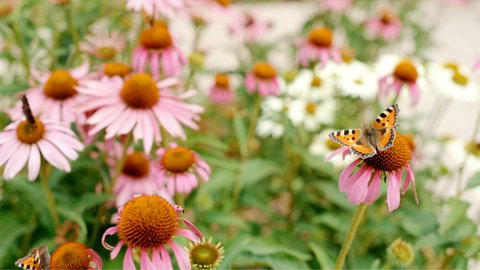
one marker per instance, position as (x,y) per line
(257,169)
(222,218)
(285,262)
(233,250)
(77,218)
(241,133)
(268,248)
(11,230)
(456,212)
(474,181)
(89,200)
(12,88)
(322,258)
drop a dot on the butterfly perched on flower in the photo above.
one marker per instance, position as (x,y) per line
(378,136)
(38,259)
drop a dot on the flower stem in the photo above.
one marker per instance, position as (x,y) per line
(44,177)
(253,122)
(73,31)
(357,218)
(19,40)
(121,162)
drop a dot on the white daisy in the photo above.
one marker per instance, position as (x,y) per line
(317,84)
(357,79)
(311,112)
(271,120)
(322,145)
(454,81)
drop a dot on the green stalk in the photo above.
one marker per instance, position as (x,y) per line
(121,162)
(253,121)
(357,218)
(73,31)
(44,177)
(19,40)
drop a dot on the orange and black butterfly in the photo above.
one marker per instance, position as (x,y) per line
(38,259)
(378,136)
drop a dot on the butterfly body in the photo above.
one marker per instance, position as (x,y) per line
(378,136)
(38,259)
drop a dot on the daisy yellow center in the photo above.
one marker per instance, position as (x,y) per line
(387,17)
(331,145)
(474,148)
(29,133)
(60,85)
(406,71)
(136,165)
(106,53)
(222,81)
(264,70)
(316,81)
(224,3)
(70,256)
(320,37)
(178,159)
(311,108)
(460,79)
(156,38)
(392,159)
(347,54)
(112,69)
(205,255)
(453,66)
(140,91)
(147,221)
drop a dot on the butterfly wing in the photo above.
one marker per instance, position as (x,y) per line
(38,259)
(386,124)
(354,139)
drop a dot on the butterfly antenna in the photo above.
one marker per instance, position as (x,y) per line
(27,111)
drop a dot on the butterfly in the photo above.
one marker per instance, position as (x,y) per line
(38,259)
(378,136)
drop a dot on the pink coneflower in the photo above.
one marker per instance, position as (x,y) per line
(137,177)
(33,139)
(221,92)
(141,105)
(148,224)
(250,28)
(157,49)
(263,79)
(103,44)
(336,5)
(386,26)
(154,8)
(405,73)
(318,46)
(361,179)
(180,167)
(56,97)
(74,255)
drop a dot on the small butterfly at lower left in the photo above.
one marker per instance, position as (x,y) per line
(38,259)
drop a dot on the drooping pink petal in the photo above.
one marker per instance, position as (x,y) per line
(373,189)
(128,260)
(109,231)
(17,161)
(193,228)
(116,250)
(145,262)
(345,175)
(359,189)
(166,260)
(393,192)
(181,255)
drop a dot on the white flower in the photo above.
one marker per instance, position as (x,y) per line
(357,79)
(271,121)
(322,145)
(311,112)
(454,81)
(317,84)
